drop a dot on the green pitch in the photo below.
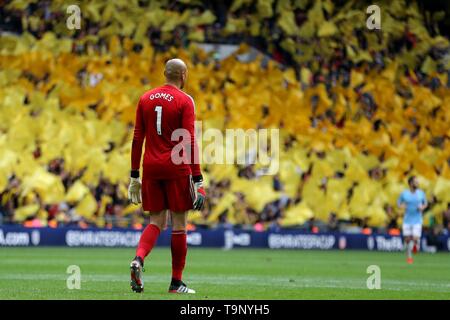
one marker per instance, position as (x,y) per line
(40,273)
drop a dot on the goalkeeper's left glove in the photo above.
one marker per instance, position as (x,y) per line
(134,189)
(200,194)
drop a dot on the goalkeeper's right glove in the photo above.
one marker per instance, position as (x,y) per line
(134,189)
(200,194)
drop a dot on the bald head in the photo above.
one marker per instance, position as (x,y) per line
(175,72)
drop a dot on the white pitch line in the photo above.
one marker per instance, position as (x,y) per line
(310,282)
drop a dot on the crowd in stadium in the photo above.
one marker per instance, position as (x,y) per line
(360,111)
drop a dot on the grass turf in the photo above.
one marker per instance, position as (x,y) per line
(40,273)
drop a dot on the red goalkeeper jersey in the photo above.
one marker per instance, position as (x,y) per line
(159,113)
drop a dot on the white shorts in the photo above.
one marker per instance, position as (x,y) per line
(412,230)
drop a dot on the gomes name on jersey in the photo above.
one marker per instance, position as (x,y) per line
(161,95)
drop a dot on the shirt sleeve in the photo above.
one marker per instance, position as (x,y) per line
(424,198)
(138,139)
(400,199)
(188,124)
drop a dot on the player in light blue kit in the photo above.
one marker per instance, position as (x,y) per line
(413,201)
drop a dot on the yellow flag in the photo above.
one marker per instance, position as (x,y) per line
(20,214)
(87,206)
(76,192)
(327,29)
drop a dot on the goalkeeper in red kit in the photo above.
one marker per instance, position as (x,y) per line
(171,178)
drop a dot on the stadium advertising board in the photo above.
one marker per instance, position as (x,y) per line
(15,236)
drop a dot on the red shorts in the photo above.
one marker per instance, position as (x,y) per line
(174,194)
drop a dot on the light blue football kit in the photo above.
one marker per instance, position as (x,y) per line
(412,221)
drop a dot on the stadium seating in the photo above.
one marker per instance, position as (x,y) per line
(67,103)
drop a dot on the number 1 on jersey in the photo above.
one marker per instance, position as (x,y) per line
(158,110)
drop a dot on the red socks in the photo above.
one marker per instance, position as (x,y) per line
(178,247)
(179,251)
(147,240)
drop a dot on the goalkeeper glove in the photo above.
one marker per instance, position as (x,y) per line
(200,194)
(134,189)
